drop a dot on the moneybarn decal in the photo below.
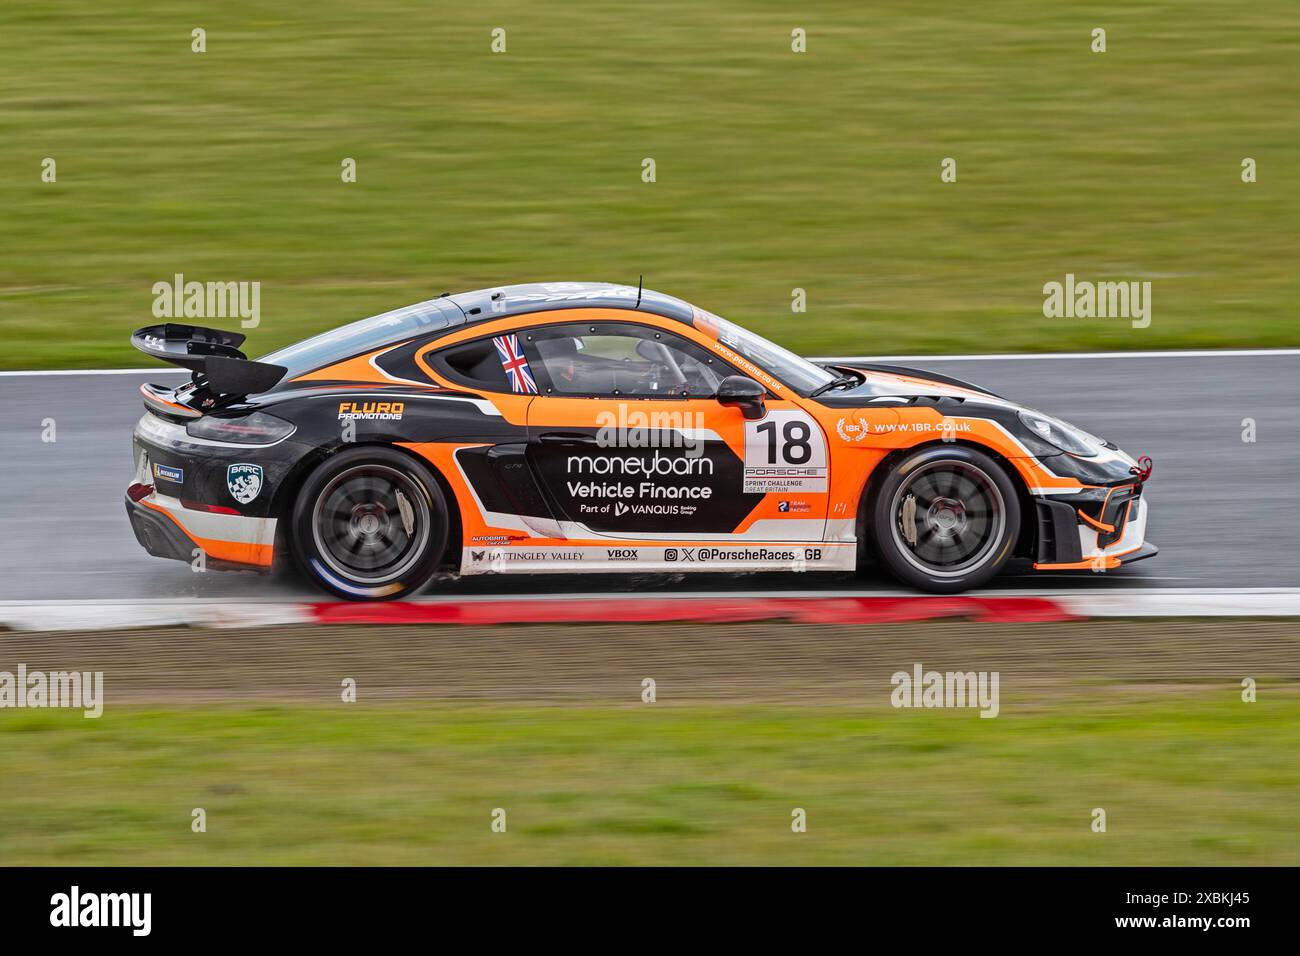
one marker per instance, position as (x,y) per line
(662,490)
(372,411)
(620,498)
(658,466)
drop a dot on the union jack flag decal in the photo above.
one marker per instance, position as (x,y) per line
(515,363)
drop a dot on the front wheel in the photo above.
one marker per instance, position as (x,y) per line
(370,524)
(946,519)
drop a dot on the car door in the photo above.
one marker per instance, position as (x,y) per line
(629,440)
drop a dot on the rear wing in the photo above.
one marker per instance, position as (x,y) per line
(211,355)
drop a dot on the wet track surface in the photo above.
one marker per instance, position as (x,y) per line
(1223,511)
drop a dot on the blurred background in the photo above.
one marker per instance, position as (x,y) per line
(774,171)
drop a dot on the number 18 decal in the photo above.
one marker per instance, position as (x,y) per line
(786,451)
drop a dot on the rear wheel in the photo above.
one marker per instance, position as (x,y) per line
(946,519)
(370,524)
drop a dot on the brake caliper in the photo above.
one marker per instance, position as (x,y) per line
(908,518)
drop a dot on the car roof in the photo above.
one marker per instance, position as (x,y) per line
(446,312)
(521,299)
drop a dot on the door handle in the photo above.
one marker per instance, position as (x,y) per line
(566,438)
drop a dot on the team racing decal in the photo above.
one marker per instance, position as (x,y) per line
(244,482)
(515,363)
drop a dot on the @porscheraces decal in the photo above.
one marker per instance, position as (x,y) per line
(244,482)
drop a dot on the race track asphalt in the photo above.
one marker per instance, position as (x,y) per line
(1223,511)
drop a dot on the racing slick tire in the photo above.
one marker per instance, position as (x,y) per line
(370,524)
(945,520)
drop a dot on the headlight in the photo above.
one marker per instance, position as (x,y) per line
(1063,437)
(258,428)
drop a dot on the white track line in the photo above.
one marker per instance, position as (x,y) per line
(1003,357)
(1134,602)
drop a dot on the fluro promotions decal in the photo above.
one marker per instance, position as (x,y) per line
(372,411)
(515,364)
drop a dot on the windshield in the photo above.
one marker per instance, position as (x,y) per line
(799,373)
(362,336)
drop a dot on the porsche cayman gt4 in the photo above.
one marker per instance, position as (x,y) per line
(573,427)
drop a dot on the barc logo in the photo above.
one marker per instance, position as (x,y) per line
(244,482)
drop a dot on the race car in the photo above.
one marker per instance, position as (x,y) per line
(591,427)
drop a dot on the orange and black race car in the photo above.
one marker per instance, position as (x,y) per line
(570,427)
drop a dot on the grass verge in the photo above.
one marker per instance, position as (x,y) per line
(1187,776)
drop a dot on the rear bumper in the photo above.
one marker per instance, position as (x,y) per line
(157,535)
(182,498)
(167,529)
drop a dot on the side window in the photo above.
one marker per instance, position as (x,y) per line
(613,359)
(474,363)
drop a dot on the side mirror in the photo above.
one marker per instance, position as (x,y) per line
(737,391)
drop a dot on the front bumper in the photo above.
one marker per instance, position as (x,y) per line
(1087,533)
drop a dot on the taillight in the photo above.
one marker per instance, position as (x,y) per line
(258,428)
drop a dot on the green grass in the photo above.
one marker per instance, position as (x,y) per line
(775,170)
(1192,777)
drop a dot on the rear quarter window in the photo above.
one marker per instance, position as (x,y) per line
(475,364)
